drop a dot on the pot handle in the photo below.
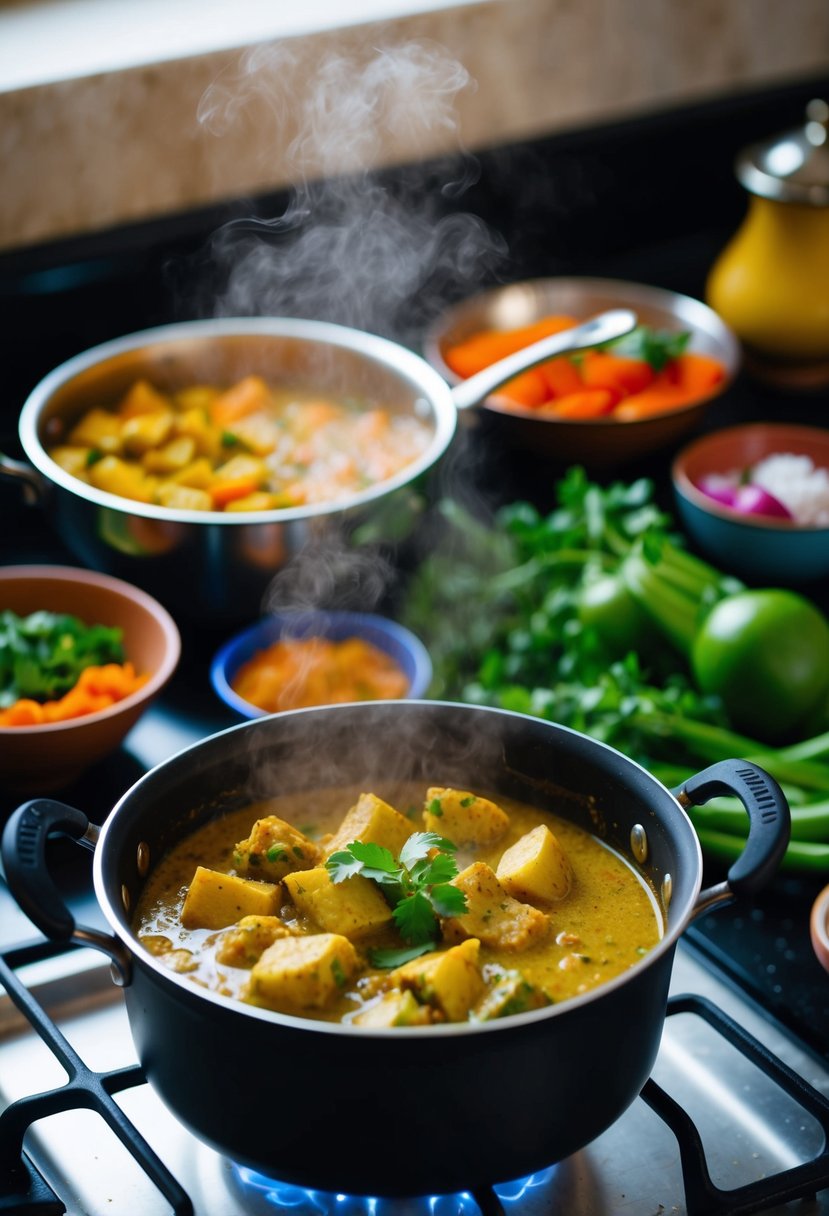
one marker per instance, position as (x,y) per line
(35,487)
(604,327)
(27,874)
(769,825)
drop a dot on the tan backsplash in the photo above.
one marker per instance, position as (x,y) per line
(92,152)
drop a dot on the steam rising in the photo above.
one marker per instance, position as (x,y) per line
(348,247)
(351,247)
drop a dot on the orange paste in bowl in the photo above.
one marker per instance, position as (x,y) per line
(294,673)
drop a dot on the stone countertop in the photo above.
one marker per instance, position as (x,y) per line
(113,112)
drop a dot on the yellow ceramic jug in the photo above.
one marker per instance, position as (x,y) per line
(771,282)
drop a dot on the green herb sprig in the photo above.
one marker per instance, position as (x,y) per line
(418,885)
(43,654)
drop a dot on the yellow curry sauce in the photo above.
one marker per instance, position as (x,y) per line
(502,956)
(250,446)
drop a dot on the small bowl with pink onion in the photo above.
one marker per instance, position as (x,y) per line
(755,500)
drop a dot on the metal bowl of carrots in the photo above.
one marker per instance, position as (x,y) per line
(601,407)
(82,656)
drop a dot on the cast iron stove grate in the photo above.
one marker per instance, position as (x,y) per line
(25,1192)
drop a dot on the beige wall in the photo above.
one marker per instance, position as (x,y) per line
(86,153)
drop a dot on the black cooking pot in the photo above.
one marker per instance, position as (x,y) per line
(407,1110)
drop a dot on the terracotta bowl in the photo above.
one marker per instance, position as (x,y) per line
(598,442)
(819,927)
(40,759)
(756,548)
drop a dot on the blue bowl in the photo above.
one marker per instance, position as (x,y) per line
(396,641)
(771,552)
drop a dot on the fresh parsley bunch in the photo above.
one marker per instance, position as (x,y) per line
(418,885)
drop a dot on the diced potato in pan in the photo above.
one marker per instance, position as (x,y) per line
(492,915)
(242,944)
(463,817)
(353,908)
(215,900)
(146,431)
(298,973)
(449,980)
(273,849)
(172,456)
(74,461)
(536,869)
(117,476)
(372,821)
(183,498)
(395,1008)
(98,429)
(143,398)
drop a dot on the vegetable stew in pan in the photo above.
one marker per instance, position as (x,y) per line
(439,905)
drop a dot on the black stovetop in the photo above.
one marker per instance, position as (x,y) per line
(652,200)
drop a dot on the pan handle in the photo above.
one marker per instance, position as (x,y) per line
(27,874)
(34,486)
(604,327)
(769,825)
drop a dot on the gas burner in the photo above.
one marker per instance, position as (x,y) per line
(263,1196)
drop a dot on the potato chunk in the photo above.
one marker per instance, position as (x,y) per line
(98,429)
(536,869)
(450,980)
(302,972)
(510,994)
(463,817)
(352,908)
(242,944)
(492,915)
(216,900)
(274,849)
(395,1008)
(372,821)
(117,476)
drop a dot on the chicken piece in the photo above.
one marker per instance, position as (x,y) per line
(463,817)
(372,821)
(352,908)
(492,915)
(509,994)
(536,869)
(242,945)
(450,980)
(216,900)
(273,849)
(395,1008)
(297,973)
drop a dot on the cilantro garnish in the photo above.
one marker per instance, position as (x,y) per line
(418,885)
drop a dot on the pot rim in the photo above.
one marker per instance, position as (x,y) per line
(572,1005)
(408,365)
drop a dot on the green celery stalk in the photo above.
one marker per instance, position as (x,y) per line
(800,854)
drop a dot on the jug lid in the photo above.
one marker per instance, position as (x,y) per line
(792,167)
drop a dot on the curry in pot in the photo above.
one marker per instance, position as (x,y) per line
(343,907)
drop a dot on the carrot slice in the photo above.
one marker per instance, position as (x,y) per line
(562,376)
(231,488)
(695,373)
(529,389)
(619,373)
(589,403)
(245,397)
(490,345)
(657,399)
